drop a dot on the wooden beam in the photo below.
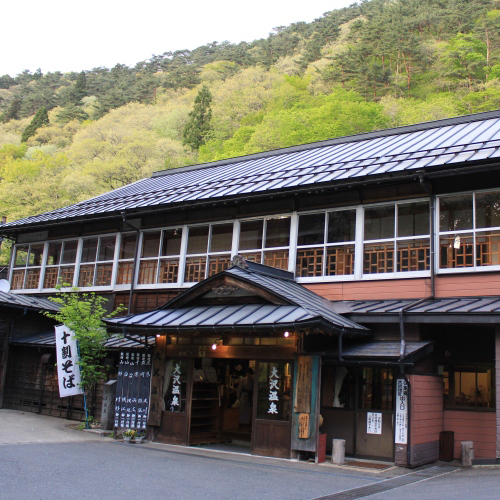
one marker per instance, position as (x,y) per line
(236,352)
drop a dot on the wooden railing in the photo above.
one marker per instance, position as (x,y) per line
(147,272)
(218,263)
(278,259)
(339,261)
(411,256)
(169,271)
(51,274)
(195,269)
(124,275)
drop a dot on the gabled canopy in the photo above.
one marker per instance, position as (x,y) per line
(248,297)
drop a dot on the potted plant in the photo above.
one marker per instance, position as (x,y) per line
(128,435)
(139,437)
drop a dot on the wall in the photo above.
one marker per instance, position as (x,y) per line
(477,426)
(426,414)
(462,285)
(497,375)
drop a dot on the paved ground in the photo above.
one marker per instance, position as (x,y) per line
(40,458)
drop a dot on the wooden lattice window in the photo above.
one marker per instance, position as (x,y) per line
(218,264)
(169,271)
(60,268)
(456,251)
(27,266)
(488,249)
(18,279)
(97,256)
(309,262)
(414,255)
(195,269)
(329,234)
(124,275)
(340,261)
(266,241)
(147,272)
(51,274)
(378,258)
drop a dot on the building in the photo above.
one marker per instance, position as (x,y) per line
(359,277)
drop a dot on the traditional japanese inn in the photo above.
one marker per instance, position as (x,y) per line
(347,289)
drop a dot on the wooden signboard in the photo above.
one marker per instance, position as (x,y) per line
(304,425)
(303,385)
(157,376)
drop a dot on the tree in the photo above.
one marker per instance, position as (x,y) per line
(12,112)
(40,119)
(83,313)
(197,129)
(71,112)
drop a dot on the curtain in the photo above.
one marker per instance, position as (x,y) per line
(340,373)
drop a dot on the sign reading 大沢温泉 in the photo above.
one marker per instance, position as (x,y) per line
(401,434)
(68,369)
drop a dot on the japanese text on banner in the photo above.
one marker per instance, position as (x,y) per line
(68,369)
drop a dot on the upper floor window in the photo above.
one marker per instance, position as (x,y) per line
(208,251)
(27,266)
(469,226)
(60,263)
(96,261)
(126,259)
(325,244)
(160,256)
(266,241)
(396,238)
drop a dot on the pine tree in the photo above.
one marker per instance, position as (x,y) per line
(197,129)
(40,119)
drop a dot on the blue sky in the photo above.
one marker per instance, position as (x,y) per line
(60,35)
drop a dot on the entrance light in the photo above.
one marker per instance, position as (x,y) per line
(214,346)
(287,334)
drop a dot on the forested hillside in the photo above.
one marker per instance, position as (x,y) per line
(67,136)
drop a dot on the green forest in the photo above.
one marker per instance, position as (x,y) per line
(65,137)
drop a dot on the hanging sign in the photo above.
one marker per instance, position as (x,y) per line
(401,436)
(304,425)
(274,380)
(373,423)
(132,391)
(68,369)
(303,385)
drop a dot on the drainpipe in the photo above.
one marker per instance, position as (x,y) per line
(134,268)
(427,187)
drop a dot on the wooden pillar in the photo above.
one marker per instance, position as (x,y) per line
(157,379)
(4,352)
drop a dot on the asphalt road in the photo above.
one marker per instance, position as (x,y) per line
(40,458)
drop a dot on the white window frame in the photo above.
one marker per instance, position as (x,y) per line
(473,231)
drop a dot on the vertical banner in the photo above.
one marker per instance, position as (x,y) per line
(303,385)
(401,436)
(68,369)
(132,391)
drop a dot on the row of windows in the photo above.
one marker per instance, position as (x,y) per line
(351,243)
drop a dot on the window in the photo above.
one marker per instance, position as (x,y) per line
(208,251)
(60,263)
(469,387)
(126,259)
(469,227)
(96,261)
(160,256)
(27,266)
(377,389)
(266,241)
(325,244)
(396,238)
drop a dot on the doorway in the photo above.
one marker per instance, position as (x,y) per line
(357,404)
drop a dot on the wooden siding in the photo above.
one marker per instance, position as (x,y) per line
(32,387)
(476,426)
(497,376)
(463,285)
(426,408)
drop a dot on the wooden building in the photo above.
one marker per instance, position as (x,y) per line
(359,278)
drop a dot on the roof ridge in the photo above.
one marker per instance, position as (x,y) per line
(456,120)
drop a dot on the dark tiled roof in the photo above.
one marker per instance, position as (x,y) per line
(29,301)
(382,349)
(429,146)
(304,306)
(48,339)
(475,305)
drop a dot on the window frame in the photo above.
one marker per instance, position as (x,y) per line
(474,231)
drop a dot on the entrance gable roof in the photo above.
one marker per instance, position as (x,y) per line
(293,307)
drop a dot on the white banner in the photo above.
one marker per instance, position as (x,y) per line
(68,370)
(373,423)
(401,435)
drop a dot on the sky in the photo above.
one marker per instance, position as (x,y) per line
(62,35)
